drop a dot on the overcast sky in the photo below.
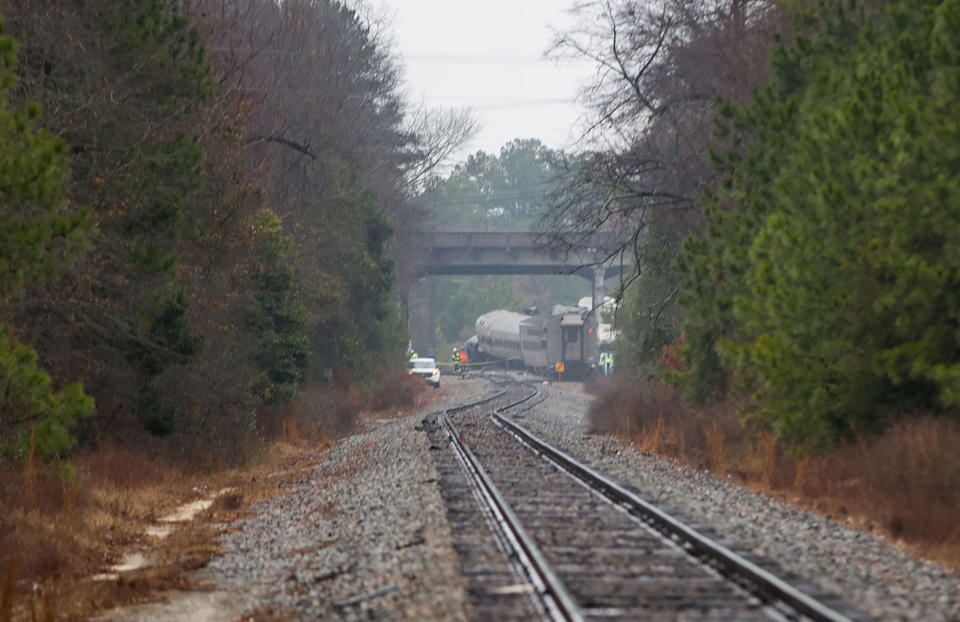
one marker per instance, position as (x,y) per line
(488,55)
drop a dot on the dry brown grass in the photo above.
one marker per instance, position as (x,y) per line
(55,546)
(902,483)
(61,524)
(321,412)
(399,391)
(654,419)
(64,522)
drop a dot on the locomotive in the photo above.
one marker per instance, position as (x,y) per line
(568,335)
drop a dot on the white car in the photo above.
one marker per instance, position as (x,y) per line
(425,368)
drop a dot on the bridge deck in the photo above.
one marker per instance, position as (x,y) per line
(513,252)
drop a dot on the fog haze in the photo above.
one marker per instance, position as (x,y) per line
(489,57)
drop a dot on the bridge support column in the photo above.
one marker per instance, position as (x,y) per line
(598,289)
(421,322)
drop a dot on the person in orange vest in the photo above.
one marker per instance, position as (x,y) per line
(463,361)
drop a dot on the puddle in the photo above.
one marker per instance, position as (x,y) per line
(130,561)
(187,607)
(137,560)
(159,531)
(188,510)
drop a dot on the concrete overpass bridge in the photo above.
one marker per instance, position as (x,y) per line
(505,253)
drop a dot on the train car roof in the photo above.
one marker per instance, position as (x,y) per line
(532,321)
(564,309)
(500,316)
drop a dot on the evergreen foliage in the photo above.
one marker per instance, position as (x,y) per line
(829,278)
(38,232)
(363,332)
(276,319)
(154,166)
(508,191)
(31,407)
(239,223)
(467,299)
(648,317)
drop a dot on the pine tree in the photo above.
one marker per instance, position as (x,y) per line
(276,319)
(38,232)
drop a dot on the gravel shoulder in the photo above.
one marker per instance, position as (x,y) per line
(364,534)
(869,572)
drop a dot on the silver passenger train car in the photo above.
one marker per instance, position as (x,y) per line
(567,335)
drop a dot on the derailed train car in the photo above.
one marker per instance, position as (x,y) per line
(567,335)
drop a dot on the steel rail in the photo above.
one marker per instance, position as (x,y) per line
(480,402)
(757,580)
(557,600)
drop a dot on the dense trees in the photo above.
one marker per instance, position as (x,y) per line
(205,205)
(838,303)
(660,66)
(216,219)
(508,191)
(130,91)
(818,275)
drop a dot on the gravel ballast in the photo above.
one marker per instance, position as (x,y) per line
(364,535)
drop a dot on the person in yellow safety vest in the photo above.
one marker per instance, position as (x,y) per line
(455,357)
(413,356)
(607,361)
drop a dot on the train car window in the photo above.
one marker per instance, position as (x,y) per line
(571,334)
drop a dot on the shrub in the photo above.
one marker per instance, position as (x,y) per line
(397,390)
(654,418)
(32,413)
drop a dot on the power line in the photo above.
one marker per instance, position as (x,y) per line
(522,105)
(488,101)
(489,59)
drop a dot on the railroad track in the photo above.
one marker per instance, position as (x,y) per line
(540,534)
